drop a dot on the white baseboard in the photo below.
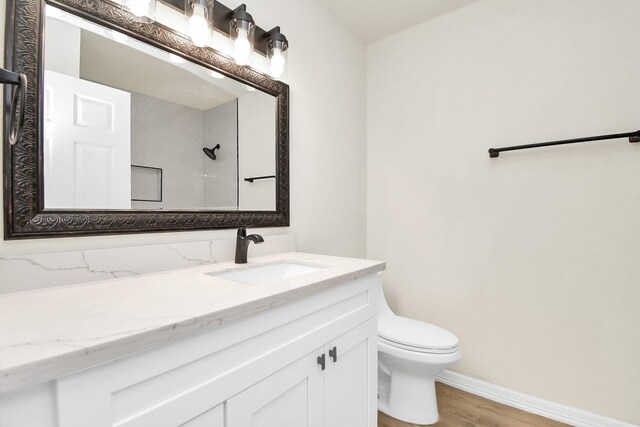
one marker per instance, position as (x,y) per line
(554,411)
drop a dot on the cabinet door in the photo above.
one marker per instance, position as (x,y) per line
(350,382)
(292,397)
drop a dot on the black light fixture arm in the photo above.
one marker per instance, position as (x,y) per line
(276,38)
(633,137)
(239,12)
(18,100)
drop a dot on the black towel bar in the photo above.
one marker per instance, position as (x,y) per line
(255,178)
(633,137)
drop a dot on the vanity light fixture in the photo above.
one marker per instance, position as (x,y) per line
(242,33)
(143,10)
(205,16)
(277,46)
(199,24)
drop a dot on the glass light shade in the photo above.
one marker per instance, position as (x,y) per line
(277,46)
(242,34)
(143,10)
(199,29)
(277,60)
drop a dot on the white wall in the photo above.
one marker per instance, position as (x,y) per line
(326,72)
(63,53)
(327,138)
(531,258)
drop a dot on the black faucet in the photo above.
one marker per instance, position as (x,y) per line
(242,244)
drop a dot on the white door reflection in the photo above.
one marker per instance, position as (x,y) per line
(88,144)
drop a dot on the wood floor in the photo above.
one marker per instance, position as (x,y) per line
(460,409)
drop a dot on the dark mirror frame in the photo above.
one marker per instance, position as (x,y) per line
(24,212)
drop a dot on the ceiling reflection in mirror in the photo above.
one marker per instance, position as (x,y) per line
(130,126)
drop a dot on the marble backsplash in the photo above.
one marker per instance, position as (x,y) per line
(36,271)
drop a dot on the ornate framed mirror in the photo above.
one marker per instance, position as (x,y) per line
(129,127)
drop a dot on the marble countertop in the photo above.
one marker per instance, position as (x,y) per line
(53,332)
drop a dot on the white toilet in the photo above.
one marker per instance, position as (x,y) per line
(410,354)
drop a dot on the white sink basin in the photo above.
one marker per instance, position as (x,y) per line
(266,273)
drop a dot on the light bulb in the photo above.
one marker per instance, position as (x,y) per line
(198,27)
(242,47)
(276,68)
(139,7)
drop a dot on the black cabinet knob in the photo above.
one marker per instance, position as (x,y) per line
(333,353)
(321,361)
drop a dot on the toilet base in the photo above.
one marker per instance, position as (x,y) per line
(406,382)
(409,398)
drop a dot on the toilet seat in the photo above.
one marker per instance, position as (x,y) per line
(415,335)
(415,349)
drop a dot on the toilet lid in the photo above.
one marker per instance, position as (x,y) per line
(414,333)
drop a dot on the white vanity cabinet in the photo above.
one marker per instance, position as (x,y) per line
(259,370)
